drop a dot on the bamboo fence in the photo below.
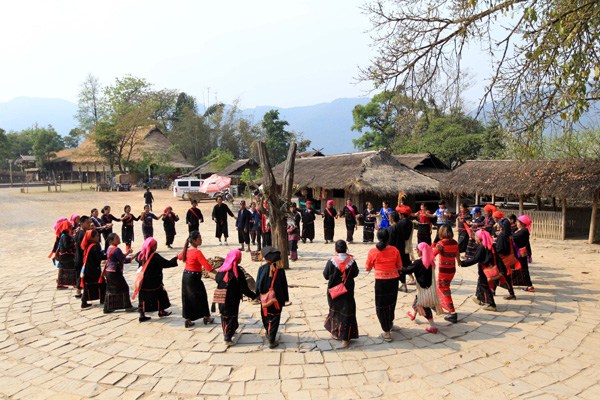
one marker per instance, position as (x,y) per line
(545,225)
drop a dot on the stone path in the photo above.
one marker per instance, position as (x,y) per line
(543,345)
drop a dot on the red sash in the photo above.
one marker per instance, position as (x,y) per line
(194,212)
(137,284)
(85,257)
(329,212)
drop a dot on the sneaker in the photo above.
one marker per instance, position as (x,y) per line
(451,318)
(86,306)
(511,297)
(477,301)
(228,343)
(274,344)
(387,336)
(431,329)
(144,318)
(489,308)
(529,289)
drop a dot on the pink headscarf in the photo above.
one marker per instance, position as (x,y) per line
(58,222)
(526,221)
(147,249)
(231,262)
(427,255)
(73,218)
(330,203)
(486,238)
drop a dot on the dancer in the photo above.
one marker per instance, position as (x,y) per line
(194,217)
(242,223)
(234,282)
(85,224)
(149,283)
(107,222)
(447,249)
(400,232)
(521,237)
(369,218)
(387,264)
(423,268)
(293,231)
(193,293)
(349,212)
(461,220)
(127,229)
(341,269)
(385,212)
(219,215)
(147,216)
(117,289)
(169,219)
(484,257)
(308,222)
(92,281)
(64,253)
(424,228)
(329,217)
(271,279)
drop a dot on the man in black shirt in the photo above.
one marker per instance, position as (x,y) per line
(194,217)
(243,225)
(219,215)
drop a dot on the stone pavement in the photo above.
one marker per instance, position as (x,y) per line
(543,345)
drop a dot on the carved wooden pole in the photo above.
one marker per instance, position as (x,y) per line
(278,202)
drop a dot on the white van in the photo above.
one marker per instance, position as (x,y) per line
(186,185)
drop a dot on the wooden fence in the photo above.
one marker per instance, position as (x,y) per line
(546,224)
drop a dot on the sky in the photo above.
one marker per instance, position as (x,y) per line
(262,52)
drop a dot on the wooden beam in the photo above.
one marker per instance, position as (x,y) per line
(592,236)
(563,226)
(476,197)
(493,199)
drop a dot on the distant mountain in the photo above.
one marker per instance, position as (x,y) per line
(22,112)
(327,125)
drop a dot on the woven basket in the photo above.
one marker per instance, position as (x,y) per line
(256,256)
(216,262)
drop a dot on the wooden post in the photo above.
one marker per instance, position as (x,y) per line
(476,197)
(521,207)
(539,203)
(10,172)
(457,210)
(592,236)
(80,179)
(563,226)
(493,199)
(278,203)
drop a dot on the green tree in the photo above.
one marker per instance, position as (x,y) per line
(184,103)
(220,158)
(575,144)
(278,139)
(107,142)
(544,56)
(45,143)
(74,138)
(5,149)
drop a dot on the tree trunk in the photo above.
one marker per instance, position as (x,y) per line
(278,202)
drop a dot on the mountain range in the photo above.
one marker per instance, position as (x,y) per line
(326,125)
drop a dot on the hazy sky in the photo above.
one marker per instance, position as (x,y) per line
(263,52)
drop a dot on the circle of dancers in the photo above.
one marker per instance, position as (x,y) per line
(88,257)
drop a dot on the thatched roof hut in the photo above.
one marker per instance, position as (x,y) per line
(204,170)
(575,181)
(366,176)
(425,163)
(236,168)
(146,140)
(564,179)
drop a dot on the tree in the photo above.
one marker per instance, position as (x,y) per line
(576,144)
(73,139)
(388,116)
(107,142)
(278,139)
(5,149)
(544,55)
(220,158)
(46,142)
(90,104)
(183,104)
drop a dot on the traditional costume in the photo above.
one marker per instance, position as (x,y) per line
(256,228)
(424,227)
(219,215)
(270,277)
(127,232)
(399,233)
(341,320)
(92,281)
(147,228)
(350,213)
(308,223)
(117,289)
(233,280)
(523,250)
(193,217)
(484,256)
(329,221)
(65,255)
(79,254)
(193,293)
(242,224)
(463,235)
(293,231)
(105,220)
(169,218)
(447,250)
(265,227)
(385,219)
(387,264)
(369,219)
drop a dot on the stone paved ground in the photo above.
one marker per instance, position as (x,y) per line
(544,345)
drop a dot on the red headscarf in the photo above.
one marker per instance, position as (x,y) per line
(498,214)
(87,239)
(167,209)
(231,262)
(148,247)
(404,209)
(62,226)
(489,208)
(427,255)
(58,222)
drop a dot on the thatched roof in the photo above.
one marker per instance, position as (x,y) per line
(235,169)
(425,163)
(567,179)
(312,153)
(374,172)
(148,140)
(204,170)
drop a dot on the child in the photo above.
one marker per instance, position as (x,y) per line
(423,268)
(147,217)
(169,218)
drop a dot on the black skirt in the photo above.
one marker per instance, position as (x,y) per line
(193,296)
(341,321)
(154,299)
(328,233)
(471,248)
(67,275)
(127,234)
(521,277)
(147,231)
(424,233)
(386,296)
(117,292)
(463,240)
(95,291)
(308,231)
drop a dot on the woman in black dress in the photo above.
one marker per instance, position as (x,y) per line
(169,218)
(341,321)
(521,236)
(117,289)
(92,282)
(232,278)
(483,257)
(369,219)
(127,229)
(329,216)
(153,296)
(64,250)
(271,276)
(147,216)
